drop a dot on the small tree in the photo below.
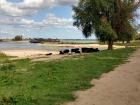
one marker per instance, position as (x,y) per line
(127,35)
(18,38)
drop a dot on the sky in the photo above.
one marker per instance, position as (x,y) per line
(38,19)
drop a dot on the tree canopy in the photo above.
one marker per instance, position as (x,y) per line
(110,20)
(18,38)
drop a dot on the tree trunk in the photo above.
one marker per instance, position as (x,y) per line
(123,42)
(128,41)
(110,45)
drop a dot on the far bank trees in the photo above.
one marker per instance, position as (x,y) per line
(18,38)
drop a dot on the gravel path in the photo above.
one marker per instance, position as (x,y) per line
(119,87)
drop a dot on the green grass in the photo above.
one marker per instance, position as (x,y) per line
(23,82)
(3,57)
(131,44)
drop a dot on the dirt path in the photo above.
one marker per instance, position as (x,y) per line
(119,87)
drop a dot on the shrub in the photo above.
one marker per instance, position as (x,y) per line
(7,67)
(18,38)
(2,54)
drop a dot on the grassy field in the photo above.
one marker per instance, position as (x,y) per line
(132,44)
(23,82)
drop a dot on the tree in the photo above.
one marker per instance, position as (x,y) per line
(18,38)
(137,36)
(105,33)
(123,18)
(105,18)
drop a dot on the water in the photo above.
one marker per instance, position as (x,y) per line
(26,45)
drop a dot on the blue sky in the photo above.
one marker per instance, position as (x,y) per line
(38,18)
(60,26)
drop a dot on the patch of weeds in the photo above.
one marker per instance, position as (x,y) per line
(6,80)
(7,101)
(17,100)
(2,54)
(7,67)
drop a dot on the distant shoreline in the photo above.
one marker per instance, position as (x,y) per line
(62,41)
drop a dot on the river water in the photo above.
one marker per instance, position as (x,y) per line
(26,45)
(23,45)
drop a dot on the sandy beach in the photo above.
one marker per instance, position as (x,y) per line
(27,52)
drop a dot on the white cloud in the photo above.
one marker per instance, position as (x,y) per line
(52,20)
(14,14)
(30,7)
(36,4)
(32,3)
(12,9)
(67,2)
(49,21)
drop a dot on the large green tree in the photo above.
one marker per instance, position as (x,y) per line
(123,18)
(110,20)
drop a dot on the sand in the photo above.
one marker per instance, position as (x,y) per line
(101,47)
(27,52)
(119,87)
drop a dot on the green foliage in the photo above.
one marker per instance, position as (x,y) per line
(118,13)
(18,38)
(137,37)
(53,83)
(2,55)
(135,44)
(105,32)
(7,67)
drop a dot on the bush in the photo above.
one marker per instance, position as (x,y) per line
(7,67)
(137,36)
(18,38)
(2,54)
